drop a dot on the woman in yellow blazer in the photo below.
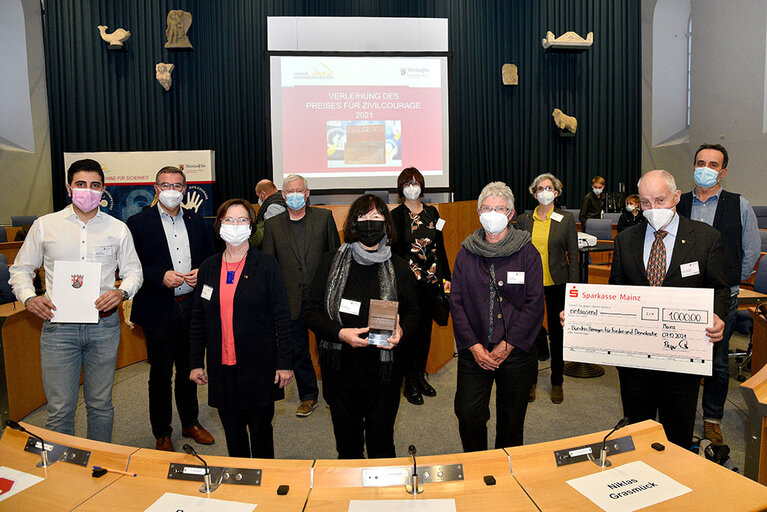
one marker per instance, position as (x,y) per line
(555,236)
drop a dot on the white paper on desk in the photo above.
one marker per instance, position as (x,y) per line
(417,505)
(20,481)
(629,487)
(76,286)
(172,502)
(657,328)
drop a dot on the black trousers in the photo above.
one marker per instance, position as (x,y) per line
(672,397)
(247,428)
(363,415)
(513,380)
(167,345)
(418,342)
(306,377)
(554,296)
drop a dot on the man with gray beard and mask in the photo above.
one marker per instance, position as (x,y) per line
(652,254)
(171,242)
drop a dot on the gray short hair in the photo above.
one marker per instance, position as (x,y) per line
(496,189)
(543,177)
(665,175)
(294,177)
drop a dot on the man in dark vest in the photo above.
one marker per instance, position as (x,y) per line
(271,203)
(733,216)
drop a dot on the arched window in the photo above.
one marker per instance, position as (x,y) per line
(671,76)
(16,120)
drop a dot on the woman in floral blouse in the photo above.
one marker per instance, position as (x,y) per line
(418,239)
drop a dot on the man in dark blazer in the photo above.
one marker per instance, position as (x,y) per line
(694,260)
(297,238)
(171,242)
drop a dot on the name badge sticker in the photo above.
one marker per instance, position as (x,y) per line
(515,278)
(207,292)
(557,217)
(350,307)
(689,269)
(440,224)
(104,251)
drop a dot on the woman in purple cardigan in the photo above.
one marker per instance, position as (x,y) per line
(497,308)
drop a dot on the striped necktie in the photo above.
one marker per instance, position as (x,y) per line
(656,265)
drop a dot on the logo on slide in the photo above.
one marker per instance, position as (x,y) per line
(573,292)
(5,485)
(77,281)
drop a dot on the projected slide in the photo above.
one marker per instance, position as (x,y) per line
(356,122)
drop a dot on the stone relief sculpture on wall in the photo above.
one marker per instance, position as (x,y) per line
(162,73)
(509,74)
(116,38)
(178,25)
(568,41)
(564,122)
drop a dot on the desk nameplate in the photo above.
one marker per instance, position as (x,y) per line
(386,476)
(592,451)
(59,452)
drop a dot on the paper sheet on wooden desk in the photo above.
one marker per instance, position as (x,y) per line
(76,286)
(13,482)
(628,487)
(416,505)
(172,502)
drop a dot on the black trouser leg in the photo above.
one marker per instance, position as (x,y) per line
(472,400)
(513,379)
(379,421)
(554,296)
(306,377)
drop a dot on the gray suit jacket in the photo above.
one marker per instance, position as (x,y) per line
(562,245)
(321,237)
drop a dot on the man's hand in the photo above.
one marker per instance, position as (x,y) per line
(283,377)
(562,318)
(395,337)
(715,333)
(446,286)
(482,357)
(501,351)
(198,376)
(173,279)
(191,277)
(109,300)
(352,336)
(41,307)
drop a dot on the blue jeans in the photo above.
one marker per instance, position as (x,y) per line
(715,387)
(64,350)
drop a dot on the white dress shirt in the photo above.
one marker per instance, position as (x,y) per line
(178,245)
(63,236)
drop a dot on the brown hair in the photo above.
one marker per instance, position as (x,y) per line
(598,179)
(170,170)
(406,176)
(361,206)
(634,198)
(233,202)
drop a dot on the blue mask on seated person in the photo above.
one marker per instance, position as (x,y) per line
(295,201)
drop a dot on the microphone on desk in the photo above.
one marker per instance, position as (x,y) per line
(15,425)
(413,487)
(207,486)
(603,462)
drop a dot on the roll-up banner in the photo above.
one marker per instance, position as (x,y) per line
(129,176)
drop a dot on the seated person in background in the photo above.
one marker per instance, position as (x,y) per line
(593,204)
(361,382)
(632,214)
(270,203)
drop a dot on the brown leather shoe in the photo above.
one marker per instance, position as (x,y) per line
(557,394)
(165,444)
(199,434)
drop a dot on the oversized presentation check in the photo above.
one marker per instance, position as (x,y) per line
(658,328)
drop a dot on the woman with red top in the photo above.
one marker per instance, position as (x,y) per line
(241,318)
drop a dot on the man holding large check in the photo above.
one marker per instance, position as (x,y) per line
(656,338)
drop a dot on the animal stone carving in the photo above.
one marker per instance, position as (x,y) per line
(116,38)
(568,40)
(178,25)
(564,122)
(162,73)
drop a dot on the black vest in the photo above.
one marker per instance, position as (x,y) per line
(727,221)
(275,198)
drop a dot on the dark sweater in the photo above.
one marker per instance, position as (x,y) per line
(628,219)
(591,208)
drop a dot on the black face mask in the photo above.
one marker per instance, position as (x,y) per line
(370,232)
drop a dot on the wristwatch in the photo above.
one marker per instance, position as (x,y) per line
(27,301)
(125,295)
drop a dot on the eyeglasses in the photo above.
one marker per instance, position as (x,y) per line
(233,220)
(547,189)
(413,183)
(174,186)
(499,209)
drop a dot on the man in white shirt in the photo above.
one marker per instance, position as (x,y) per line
(79,232)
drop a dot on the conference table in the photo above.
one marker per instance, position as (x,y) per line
(523,478)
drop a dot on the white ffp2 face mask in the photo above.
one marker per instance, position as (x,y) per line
(411,192)
(545,197)
(170,198)
(493,222)
(659,217)
(234,234)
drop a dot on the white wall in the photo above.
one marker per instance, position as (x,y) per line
(25,177)
(727,103)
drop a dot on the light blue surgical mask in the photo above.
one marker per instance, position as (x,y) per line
(295,201)
(705,177)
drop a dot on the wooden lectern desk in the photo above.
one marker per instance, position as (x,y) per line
(755,394)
